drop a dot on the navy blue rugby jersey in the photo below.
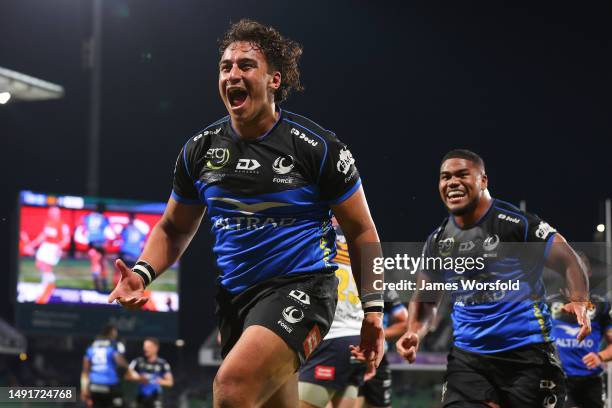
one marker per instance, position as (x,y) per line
(566,328)
(269,198)
(492,320)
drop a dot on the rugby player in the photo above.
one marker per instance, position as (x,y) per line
(151,372)
(582,361)
(100,381)
(269,180)
(98,231)
(503,353)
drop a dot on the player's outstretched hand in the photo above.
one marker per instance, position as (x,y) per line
(407,346)
(592,361)
(371,348)
(129,292)
(580,309)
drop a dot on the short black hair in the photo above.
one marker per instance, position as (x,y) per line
(464,154)
(108,330)
(282,54)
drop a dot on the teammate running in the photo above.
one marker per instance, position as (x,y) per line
(54,237)
(100,382)
(269,179)
(331,375)
(152,373)
(503,353)
(583,361)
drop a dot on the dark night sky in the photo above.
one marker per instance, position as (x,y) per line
(528,87)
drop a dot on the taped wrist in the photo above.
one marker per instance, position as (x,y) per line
(373,302)
(145,271)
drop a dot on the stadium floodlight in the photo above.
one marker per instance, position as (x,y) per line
(4,97)
(22,87)
(601,228)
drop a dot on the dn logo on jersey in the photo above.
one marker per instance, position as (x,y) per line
(247,164)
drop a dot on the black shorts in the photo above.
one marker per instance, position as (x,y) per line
(377,391)
(149,401)
(98,247)
(585,392)
(298,308)
(105,396)
(332,366)
(525,377)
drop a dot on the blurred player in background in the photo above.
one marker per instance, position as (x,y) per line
(54,236)
(376,392)
(98,232)
(269,180)
(100,378)
(132,243)
(151,373)
(331,375)
(503,353)
(583,361)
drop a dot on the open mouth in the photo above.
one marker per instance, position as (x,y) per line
(237,97)
(455,196)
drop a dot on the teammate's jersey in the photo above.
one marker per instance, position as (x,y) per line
(349,314)
(152,371)
(269,198)
(56,231)
(132,240)
(566,328)
(492,321)
(101,355)
(95,225)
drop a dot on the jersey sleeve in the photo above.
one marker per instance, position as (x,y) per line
(339,177)
(538,230)
(183,185)
(133,364)
(166,368)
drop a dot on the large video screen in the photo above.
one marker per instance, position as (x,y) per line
(68,246)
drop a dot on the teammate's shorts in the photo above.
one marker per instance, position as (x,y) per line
(298,308)
(528,376)
(331,365)
(105,396)
(49,253)
(377,391)
(585,391)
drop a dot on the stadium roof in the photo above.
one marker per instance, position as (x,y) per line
(23,87)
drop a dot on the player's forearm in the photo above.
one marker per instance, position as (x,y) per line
(363,246)
(166,382)
(565,261)
(606,353)
(420,317)
(165,245)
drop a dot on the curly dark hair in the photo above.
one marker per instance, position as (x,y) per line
(282,54)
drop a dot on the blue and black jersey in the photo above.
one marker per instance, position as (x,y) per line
(269,198)
(95,225)
(566,328)
(511,245)
(132,240)
(152,370)
(101,355)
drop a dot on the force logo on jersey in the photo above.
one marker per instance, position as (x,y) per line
(345,161)
(283,165)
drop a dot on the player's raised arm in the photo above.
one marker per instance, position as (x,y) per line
(167,242)
(354,218)
(565,261)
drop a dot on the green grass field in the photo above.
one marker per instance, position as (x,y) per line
(76,273)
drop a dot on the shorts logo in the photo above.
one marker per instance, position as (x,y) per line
(292,314)
(543,230)
(547,385)
(466,246)
(300,296)
(217,157)
(283,165)
(345,161)
(550,401)
(247,164)
(312,340)
(444,389)
(322,372)
(491,242)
